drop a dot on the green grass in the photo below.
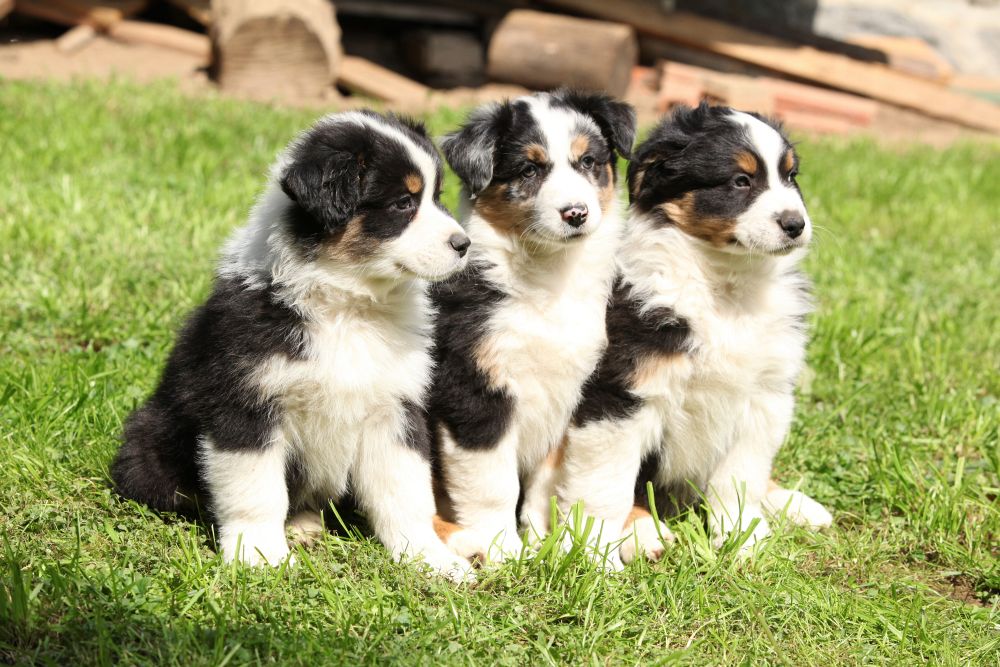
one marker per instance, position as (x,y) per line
(114,200)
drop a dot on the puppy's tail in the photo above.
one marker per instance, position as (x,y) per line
(155,465)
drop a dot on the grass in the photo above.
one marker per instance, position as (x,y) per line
(113,202)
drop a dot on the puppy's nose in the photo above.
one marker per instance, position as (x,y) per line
(792,223)
(574,215)
(460,243)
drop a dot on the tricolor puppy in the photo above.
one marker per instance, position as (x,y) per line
(304,375)
(706,334)
(521,329)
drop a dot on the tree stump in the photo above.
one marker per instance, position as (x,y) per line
(275,48)
(540,50)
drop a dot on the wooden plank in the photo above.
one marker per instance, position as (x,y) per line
(867,79)
(100,15)
(366,78)
(167,36)
(75,38)
(5,7)
(910,55)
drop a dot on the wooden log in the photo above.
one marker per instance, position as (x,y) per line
(75,38)
(275,48)
(446,58)
(868,79)
(158,34)
(366,78)
(540,50)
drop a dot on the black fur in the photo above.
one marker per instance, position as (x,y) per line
(633,335)
(615,119)
(461,397)
(203,390)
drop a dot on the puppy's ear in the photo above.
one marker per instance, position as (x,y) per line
(326,183)
(470,150)
(616,119)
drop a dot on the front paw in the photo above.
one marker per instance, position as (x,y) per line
(442,562)
(643,540)
(724,523)
(799,508)
(255,546)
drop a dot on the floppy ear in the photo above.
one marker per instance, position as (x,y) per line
(616,119)
(326,183)
(469,151)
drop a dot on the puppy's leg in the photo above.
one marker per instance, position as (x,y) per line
(392,480)
(600,466)
(465,542)
(642,536)
(738,485)
(305,527)
(539,488)
(483,486)
(799,508)
(249,501)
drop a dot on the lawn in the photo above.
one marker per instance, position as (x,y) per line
(114,200)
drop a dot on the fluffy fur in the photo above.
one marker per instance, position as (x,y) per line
(521,329)
(303,377)
(706,335)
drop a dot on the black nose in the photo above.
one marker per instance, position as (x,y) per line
(792,223)
(574,215)
(460,242)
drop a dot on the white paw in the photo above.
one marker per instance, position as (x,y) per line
(535,526)
(643,541)
(254,545)
(442,562)
(799,508)
(504,546)
(305,528)
(468,543)
(724,523)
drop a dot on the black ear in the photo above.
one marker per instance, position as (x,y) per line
(616,119)
(325,182)
(470,150)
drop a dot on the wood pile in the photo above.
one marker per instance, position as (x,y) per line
(399,51)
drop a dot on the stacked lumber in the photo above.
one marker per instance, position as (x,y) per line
(800,106)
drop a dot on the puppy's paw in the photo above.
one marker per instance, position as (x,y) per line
(799,508)
(305,528)
(442,562)
(469,544)
(255,545)
(643,541)
(724,523)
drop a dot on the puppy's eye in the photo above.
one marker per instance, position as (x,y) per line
(404,203)
(793,174)
(529,172)
(741,181)
(587,162)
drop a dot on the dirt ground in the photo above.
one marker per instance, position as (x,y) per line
(30,57)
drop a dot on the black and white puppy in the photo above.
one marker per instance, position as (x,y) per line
(304,374)
(521,329)
(706,334)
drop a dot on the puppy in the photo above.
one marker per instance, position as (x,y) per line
(520,330)
(304,374)
(707,335)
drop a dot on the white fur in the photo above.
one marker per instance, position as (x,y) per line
(367,336)
(545,338)
(720,415)
(643,540)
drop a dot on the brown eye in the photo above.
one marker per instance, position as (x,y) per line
(587,162)
(404,203)
(741,181)
(529,172)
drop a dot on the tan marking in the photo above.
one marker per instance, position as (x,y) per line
(501,213)
(747,161)
(788,160)
(637,181)
(772,486)
(414,183)
(606,195)
(536,153)
(651,369)
(638,512)
(444,529)
(555,458)
(579,147)
(717,231)
(489,360)
(349,242)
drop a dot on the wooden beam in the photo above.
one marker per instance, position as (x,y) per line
(366,78)
(837,71)
(76,38)
(166,36)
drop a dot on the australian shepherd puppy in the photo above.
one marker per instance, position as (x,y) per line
(707,335)
(520,330)
(303,376)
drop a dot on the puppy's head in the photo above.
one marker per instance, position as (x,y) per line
(724,177)
(543,167)
(365,192)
